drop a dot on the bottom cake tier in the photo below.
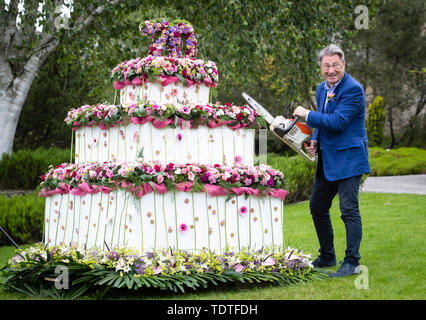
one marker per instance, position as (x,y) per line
(177,220)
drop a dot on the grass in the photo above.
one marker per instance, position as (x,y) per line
(392,249)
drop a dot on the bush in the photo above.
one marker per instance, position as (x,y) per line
(376,122)
(23,169)
(22,218)
(402,161)
(299,175)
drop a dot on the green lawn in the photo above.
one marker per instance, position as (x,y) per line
(392,250)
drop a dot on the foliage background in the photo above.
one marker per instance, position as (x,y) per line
(268,51)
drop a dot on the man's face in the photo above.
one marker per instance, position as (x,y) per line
(332,68)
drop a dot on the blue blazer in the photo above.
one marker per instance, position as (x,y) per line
(340,130)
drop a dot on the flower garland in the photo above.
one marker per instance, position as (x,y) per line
(140,70)
(140,178)
(189,115)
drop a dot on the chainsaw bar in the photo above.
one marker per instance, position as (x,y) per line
(259,109)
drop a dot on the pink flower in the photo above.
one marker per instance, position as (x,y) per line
(238,159)
(183,227)
(238,267)
(191,176)
(160,179)
(179,137)
(242,211)
(185,110)
(157,269)
(247,181)
(136,136)
(268,261)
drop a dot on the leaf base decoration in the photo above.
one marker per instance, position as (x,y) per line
(93,272)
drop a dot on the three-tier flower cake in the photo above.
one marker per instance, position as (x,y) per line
(164,191)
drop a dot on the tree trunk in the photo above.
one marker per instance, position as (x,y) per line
(13,92)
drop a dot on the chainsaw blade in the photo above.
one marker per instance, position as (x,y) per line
(259,109)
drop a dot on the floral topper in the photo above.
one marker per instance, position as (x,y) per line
(170,37)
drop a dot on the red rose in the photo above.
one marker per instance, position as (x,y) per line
(240,116)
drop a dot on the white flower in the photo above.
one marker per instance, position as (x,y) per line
(122,265)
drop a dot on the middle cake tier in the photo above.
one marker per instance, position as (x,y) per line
(149,141)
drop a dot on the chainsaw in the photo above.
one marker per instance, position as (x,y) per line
(290,131)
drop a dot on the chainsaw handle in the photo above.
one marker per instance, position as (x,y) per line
(282,132)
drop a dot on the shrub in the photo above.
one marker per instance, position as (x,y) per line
(376,122)
(299,175)
(22,218)
(23,169)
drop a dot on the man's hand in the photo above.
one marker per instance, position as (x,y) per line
(301,112)
(312,148)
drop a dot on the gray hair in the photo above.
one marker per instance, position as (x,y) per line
(330,50)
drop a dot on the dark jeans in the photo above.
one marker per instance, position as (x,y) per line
(322,196)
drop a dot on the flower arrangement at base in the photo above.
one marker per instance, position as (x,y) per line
(166,269)
(172,115)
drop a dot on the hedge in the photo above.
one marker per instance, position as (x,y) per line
(23,169)
(394,162)
(22,218)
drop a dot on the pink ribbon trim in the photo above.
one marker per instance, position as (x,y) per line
(184,186)
(139,191)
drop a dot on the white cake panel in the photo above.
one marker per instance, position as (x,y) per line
(203,145)
(181,220)
(172,93)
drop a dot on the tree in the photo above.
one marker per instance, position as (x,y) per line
(29,36)
(389,57)
(240,35)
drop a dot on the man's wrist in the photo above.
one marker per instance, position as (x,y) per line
(307,114)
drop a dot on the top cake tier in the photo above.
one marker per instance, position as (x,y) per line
(165,80)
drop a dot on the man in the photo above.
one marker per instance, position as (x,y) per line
(340,140)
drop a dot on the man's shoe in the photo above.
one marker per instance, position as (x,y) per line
(320,262)
(346,269)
